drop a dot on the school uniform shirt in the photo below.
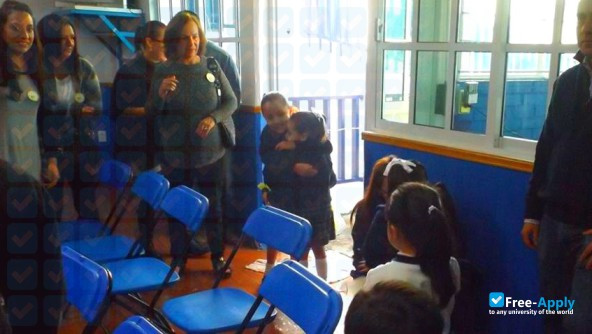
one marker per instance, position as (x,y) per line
(406,269)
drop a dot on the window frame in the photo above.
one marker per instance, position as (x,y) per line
(492,141)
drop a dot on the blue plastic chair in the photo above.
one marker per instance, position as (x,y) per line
(309,301)
(114,174)
(137,325)
(223,309)
(150,187)
(87,286)
(135,275)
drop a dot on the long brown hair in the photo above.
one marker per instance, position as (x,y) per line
(50,36)
(172,34)
(33,56)
(373,194)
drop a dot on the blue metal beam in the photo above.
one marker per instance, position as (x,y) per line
(119,34)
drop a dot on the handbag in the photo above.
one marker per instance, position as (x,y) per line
(226,126)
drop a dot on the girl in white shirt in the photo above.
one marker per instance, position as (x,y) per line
(417,228)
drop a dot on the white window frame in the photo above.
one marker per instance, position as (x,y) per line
(491,142)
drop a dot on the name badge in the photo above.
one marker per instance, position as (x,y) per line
(79,97)
(210,77)
(33,96)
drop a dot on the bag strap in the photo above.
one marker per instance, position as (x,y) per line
(215,69)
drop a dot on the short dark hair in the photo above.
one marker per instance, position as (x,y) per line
(311,123)
(172,34)
(148,30)
(393,307)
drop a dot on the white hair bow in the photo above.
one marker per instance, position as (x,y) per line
(405,164)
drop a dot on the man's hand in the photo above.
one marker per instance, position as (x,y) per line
(530,235)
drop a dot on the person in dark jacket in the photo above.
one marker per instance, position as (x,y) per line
(31,284)
(558,213)
(363,213)
(313,179)
(134,130)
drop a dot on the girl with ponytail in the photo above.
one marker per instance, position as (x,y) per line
(417,227)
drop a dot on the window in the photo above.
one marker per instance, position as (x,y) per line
(219,19)
(476,74)
(168,8)
(221,24)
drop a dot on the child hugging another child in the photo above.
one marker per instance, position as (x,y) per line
(417,227)
(298,172)
(277,172)
(313,180)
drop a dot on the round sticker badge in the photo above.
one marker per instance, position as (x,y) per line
(33,95)
(210,77)
(79,97)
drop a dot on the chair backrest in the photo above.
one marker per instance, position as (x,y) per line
(87,284)
(311,303)
(186,205)
(336,301)
(115,174)
(280,230)
(151,187)
(137,325)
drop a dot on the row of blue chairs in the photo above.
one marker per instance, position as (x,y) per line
(125,273)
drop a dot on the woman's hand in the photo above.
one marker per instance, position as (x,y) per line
(586,256)
(285,145)
(167,86)
(265,197)
(305,170)
(52,173)
(205,126)
(362,268)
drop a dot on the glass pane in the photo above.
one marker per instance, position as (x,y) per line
(471,91)
(566,62)
(525,99)
(570,22)
(164,8)
(176,7)
(531,21)
(211,18)
(232,49)
(430,100)
(396,81)
(229,18)
(434,20)
(476,19)
(397,18)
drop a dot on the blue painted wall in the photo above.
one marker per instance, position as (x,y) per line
(490,203)
(524,111)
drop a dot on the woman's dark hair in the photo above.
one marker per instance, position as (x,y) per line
(33,56)
(311,123)
(373,193)
(451,218)
(50,35)
(172,34)
(415,210)
(148,30)
(398,175)
(393,307)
